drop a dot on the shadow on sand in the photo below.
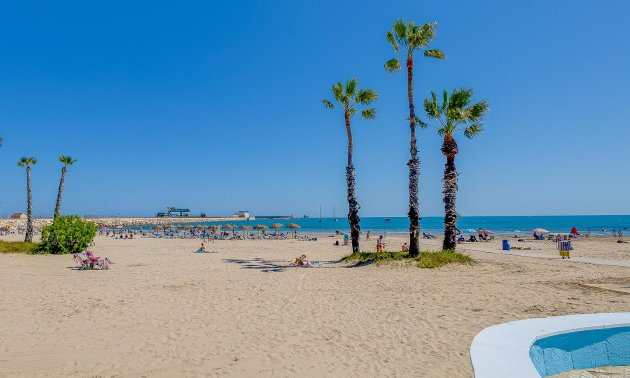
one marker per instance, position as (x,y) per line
(269,266)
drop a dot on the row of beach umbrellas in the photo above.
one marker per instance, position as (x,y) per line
(259,227)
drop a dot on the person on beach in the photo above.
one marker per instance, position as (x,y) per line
(380,244)
(202,249)
(301,261)
(480,233)
(404,248)
(367,236)
(345,239)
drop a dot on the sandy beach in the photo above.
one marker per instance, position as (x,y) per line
(164,311)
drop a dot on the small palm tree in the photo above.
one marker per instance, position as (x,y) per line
(350,97)
(412,38)
(454,113)
(66,161)
(28,162)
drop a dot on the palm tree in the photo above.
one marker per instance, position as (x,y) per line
(28,162)
(349,98)
(453,114)
(412,38)
(66,160)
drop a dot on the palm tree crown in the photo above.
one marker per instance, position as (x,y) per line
(66,160)
(351,96)
(456,112)
(413,38)
(26,162)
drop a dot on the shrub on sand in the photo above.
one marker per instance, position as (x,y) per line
(67,234)
(18,247)
(424,259)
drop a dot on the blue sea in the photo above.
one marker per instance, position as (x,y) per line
(597,225)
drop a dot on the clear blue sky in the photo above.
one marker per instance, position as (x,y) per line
(215,105)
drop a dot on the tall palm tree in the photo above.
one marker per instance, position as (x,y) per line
(455,113)
(28,162)
(66,160)
(349,98)
(412,38)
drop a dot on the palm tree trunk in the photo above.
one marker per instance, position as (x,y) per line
(449,149)
(353,205)
(414,170)
(60,192)
(29,207)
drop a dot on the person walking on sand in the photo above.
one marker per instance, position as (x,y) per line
(380,244)
(367,236)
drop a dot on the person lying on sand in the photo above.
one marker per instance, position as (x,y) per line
(302,262)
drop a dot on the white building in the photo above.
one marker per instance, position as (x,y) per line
(242,214)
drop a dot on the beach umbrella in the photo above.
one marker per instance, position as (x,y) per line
(540,231)
(229,227)
(276,226)
(471,230)
(260,227)
(245,227)
(574,231)
(293,226)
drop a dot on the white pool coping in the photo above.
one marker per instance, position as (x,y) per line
(503,349)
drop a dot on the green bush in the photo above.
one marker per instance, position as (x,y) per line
(67,234)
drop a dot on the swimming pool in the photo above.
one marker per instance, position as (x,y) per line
(581,350)
(546,346)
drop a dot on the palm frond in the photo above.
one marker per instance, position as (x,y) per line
(352,111)
(473,130)
(26,161)
(351,87)
(478,110)
(431,107)
(427,32)
(366,96)
(392,65)
(369,113)
(421,123)
(337,91)
(438,54)
(400,31)
(459,99)
(328,104)
(67,160)
(392,40)
(454,113)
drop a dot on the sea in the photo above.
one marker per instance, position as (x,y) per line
(596,225)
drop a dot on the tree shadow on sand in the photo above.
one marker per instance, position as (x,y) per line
(270,266)
(260,264)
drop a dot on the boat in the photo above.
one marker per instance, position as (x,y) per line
(386,220)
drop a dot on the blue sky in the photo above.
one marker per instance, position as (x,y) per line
(216,106)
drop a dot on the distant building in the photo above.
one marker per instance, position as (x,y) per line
(242,214)
(18,216)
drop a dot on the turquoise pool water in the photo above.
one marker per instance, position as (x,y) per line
(581,350)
